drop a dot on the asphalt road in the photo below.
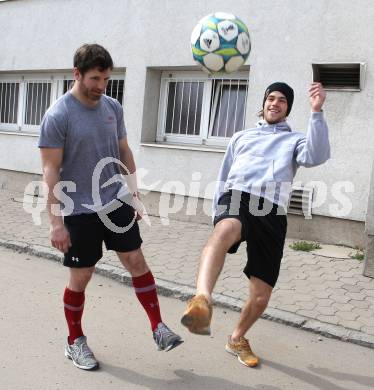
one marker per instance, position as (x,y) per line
(33,331)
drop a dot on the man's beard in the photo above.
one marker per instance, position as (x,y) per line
(274,121)
(86,92)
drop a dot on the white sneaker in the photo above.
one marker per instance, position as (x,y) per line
(81,354)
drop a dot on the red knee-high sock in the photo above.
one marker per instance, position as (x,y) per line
(145,290)
(73,306)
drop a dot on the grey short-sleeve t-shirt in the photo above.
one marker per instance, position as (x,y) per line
(89,138)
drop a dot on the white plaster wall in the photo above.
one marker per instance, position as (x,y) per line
(287,37)
(19,153)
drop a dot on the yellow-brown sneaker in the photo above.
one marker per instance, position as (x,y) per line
(198,315)
(243,351)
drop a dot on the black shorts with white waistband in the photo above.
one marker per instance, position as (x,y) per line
(88,232)
(264,227)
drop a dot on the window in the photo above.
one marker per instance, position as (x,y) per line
(340,76)
(38,99)
(198,109)
(183,114)
(115,88)
(24,99)
(9,102)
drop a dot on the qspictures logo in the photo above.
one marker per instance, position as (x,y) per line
(177,196)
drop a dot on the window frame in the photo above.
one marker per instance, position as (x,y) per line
(56,79)
(33,78)
(204,137)
(216,139)
(12,79)
(113,77)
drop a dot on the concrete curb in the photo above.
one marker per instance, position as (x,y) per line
(184,292)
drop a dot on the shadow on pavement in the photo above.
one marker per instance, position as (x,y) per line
(186,380)
(341,376)
(315,380)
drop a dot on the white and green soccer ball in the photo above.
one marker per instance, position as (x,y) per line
(220,43)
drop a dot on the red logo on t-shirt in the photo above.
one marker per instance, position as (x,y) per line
(109,120)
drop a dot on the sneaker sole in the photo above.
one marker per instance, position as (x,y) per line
(87,368)
(194,325)
(172,346)
(231,352)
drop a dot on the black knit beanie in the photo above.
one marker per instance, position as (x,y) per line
(283,88)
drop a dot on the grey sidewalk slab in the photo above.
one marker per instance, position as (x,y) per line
(325,295)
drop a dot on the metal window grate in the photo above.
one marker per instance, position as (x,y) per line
(184,102)
(301,201)
(184,105)
(115,88)
(338,76)
(24,99)
(228,107)
(38,99)
(68,85)
(9,92)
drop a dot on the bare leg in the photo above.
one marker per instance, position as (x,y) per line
(226,233)
(198,314)
(259,295)
(134,262)
(79,278)
(237,344)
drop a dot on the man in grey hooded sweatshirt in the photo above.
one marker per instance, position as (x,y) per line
(250,202)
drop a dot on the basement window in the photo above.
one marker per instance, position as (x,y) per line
(340,76)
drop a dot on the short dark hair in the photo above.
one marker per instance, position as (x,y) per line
(90,56)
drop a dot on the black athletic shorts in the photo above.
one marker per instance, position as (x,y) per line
(264,227)
(87,233)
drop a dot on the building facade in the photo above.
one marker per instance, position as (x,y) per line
(178,142)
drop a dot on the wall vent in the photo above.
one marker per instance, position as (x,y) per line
(300,202)
(340,76)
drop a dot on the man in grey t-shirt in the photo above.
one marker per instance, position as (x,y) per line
(84,151)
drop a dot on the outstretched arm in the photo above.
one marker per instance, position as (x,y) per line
(315,148)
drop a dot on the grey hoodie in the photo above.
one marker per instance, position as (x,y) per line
(263,161)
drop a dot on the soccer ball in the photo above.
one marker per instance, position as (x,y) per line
(220,43)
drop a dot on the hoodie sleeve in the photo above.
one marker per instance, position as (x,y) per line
(314,149)
(222,175)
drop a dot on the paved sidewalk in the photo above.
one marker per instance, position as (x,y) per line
(325,295)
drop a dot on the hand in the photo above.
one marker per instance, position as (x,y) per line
(317,96)
(60,238)
(138,206)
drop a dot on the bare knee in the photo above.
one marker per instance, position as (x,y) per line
(227,232)
(259,294)
(79,278)
(260,302)
(134,262)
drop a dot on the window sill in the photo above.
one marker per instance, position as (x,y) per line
(17,132)
(198,148)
